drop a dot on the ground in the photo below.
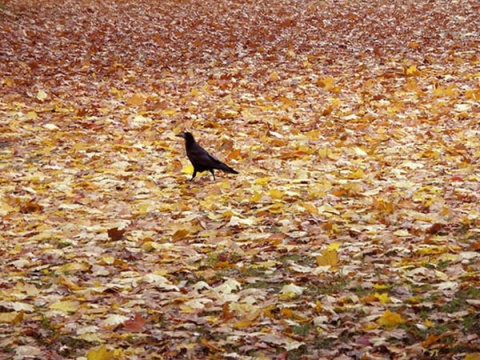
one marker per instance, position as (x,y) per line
(351,232)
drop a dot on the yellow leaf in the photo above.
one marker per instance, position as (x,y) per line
(323,152)
(137,99)
(180,234)
(310,208)
(65,306)
(359,174)
(195,92)
(242,324)
(228,214)
(334,246)
(5,208)
(102,353)
(431,250)
(32,115)
(262,181)
(473,94)
(276,208)
(412,85)
(187,309)
(255,197)
(74,266)
(307,64)
(383,298)
(41,95)
(472,356)
(226,114)
(151,245)
(274,76)
(429,324)
(370,326)
(328,258)
(380,287)
(13,317)
(115,91)
(188,169)
(441,91)
(336,102)
(265,264)
(64,280)
(328,83)
(390,319)
(412,70)
(287,102)
(108,259)
(276,194)
(169,112)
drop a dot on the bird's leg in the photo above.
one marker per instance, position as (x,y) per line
(212,174)
(194,173)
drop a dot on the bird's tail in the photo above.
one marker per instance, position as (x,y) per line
(227,168)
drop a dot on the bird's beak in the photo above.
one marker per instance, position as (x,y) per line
(182,135)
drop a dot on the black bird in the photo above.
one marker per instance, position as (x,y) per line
(201,159)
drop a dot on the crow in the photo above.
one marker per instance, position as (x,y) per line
(201,159)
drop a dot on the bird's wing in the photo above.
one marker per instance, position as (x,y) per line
(201,158)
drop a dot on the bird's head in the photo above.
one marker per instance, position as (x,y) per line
(187,136)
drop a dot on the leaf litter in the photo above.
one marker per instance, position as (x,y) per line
(352,229)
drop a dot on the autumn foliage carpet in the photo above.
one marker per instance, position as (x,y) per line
(351,232)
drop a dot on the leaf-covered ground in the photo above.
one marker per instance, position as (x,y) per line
(352,231)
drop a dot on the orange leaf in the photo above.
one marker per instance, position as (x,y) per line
(287,313)
(234,154)
(432,339)
(223,265)
(226,312)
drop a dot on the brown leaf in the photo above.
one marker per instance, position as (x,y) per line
(116,234)
(30,207)
(137,324)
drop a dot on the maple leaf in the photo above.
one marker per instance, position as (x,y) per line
(65,306)
(355,154)
(137,324)
(328,258)
(114,320)
(390,319)
(115,234)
